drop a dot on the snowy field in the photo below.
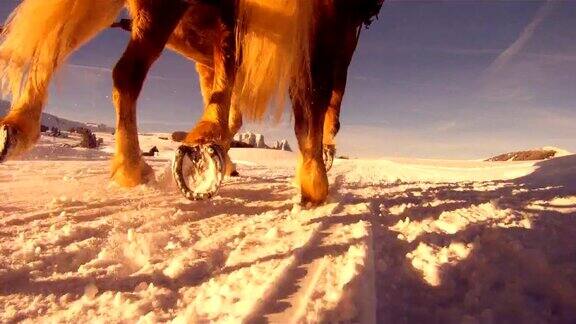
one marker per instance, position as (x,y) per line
(399,241)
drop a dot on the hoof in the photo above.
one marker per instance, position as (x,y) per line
(313,200)
(7,141)
(131,175)
(234,174)
(198,170)
(313,182)
(328,154)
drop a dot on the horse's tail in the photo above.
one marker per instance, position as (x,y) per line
(273,53)
(39,36)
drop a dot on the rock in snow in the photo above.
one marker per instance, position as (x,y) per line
(249,139)
(543,153)
(282,145)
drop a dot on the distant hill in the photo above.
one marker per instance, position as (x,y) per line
(50,120)
(543,153)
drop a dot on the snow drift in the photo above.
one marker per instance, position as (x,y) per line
(399,240)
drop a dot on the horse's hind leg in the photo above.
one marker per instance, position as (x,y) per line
(206,76)
(342,57)
(331,128)
(213,126)
(152,25)
(234,125)
(332,119)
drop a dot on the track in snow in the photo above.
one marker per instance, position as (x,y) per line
(397,241)
(76,246)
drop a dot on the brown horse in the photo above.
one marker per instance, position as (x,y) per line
(250,54)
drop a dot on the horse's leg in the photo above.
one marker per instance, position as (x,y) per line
(21,126)
(317,125)
(331,126)
(332,118)
(309,116)
(234,120)
(213,125)
(234,125)
(152,25)
(206,76)
(208,141)
(39,37)
(311,172)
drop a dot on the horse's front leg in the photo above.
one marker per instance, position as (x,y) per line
(152,25)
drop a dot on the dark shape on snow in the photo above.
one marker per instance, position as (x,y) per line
(530,155)
(151,152)
(179,136)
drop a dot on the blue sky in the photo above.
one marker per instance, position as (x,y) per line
(433,79)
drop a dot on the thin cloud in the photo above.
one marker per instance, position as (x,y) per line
(101,69)
(366,78)
(508,54)
(90,68)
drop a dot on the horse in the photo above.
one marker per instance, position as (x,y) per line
(182,41)
(250,54)
(151,152)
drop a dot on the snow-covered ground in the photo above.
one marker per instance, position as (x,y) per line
(399,241)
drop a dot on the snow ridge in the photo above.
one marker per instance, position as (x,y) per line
(398,241)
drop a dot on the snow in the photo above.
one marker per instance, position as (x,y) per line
(559,152)
(399,240)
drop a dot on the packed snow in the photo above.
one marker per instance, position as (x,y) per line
(398,241)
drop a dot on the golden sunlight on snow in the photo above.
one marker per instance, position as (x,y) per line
(399,240)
